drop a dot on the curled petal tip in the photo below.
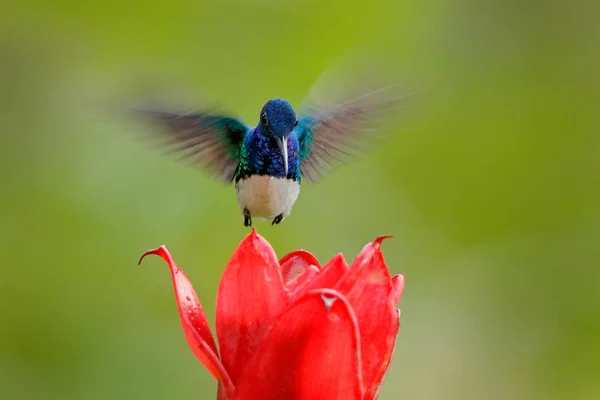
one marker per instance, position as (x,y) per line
(377,242)
(300,256)
(193,320)
(160,251)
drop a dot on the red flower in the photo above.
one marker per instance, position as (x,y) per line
(291,329)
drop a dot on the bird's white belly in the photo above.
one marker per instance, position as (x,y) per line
(265,196)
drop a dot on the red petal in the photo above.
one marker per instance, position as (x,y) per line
(295,263)
(250,296)
(330,274)
(299,285)
(397,288)
(193,320)
(311,352)
(373,392)
(368,287)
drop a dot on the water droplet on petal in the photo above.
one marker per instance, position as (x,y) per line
(328,301)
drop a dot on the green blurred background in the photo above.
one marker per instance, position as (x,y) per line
(491,189)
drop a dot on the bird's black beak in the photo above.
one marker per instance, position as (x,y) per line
(284,153)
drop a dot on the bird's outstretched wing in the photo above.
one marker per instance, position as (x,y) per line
(207,139)
(333,133)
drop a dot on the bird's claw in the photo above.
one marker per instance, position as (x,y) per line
(277,219)
(247,218)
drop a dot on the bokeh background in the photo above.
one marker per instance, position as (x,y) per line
(491,188)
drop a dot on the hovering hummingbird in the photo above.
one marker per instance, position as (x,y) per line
(268,161)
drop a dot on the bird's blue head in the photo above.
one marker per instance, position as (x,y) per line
(278,118)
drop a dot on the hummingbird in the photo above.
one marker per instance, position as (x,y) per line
(267,162)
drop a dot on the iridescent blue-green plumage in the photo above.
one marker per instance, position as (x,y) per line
(259,155)
(212,141)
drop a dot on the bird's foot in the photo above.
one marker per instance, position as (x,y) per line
(247,218)
(277,219)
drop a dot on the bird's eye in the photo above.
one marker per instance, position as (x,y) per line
(264,120)
(296,123)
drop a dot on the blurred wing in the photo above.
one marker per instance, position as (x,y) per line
(334,134)
(209,140)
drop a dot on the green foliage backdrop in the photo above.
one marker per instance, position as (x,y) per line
(491,189)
